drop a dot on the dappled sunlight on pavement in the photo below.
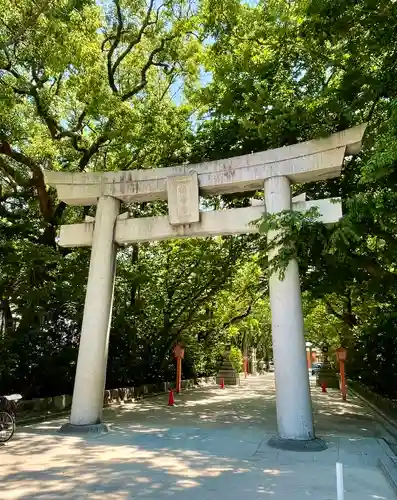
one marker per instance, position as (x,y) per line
(211,445)
(351,417)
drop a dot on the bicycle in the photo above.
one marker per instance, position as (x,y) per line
(8,406)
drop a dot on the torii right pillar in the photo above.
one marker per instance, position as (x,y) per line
(294,408)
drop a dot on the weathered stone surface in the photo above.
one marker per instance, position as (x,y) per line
(106,398)
(303,162)
(82,234)
(389,469)
(294,410)
(91,362)
(308,445)
(26,405)
(272,170)
(232,221)
(206,381)
(138,392)
(130,392)
(183,199)
(39,404)
(113,396)
(114,393)
(72,429)
(187,384)
(226,372)
(59,402)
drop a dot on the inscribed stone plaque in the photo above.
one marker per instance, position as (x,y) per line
(183,199)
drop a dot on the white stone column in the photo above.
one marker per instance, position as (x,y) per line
(90,377)
(294,409)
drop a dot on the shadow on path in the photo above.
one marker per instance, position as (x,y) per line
(211,445)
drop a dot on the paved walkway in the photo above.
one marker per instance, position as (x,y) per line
(211,445)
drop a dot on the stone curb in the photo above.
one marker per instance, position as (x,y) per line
(112,398)
(389,469)
(388,422)
(387,464)
(42,418)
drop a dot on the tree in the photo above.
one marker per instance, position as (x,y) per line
(183,291)
(88,86)
(285,72)
(84,87)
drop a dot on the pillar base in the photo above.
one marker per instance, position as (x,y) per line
(83,429)
(297,444)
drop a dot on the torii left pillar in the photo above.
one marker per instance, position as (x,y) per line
(89,382)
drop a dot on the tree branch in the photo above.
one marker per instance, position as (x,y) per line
(146,22)
(332,310)
(114,46)
(146,67)
(213,285)
(38,180)
(52,125)
(90,152)
(238,318)
(80,121)
(23,28)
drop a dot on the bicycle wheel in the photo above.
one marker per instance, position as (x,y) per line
(7,427)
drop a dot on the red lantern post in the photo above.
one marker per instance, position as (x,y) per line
(341,354)
(179,353)
(245,366)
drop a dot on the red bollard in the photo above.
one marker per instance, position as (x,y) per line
(171,400)
(222,386)
(324,387)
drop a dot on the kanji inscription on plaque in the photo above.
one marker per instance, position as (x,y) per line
(183,199)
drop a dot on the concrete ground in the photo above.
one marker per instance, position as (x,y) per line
(211,445)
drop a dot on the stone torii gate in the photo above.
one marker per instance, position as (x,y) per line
(273,171)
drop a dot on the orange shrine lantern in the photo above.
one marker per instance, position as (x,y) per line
(179,353)
(341,355)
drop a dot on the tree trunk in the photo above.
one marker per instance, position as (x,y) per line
(134,261)
(48,238)
(7,321)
